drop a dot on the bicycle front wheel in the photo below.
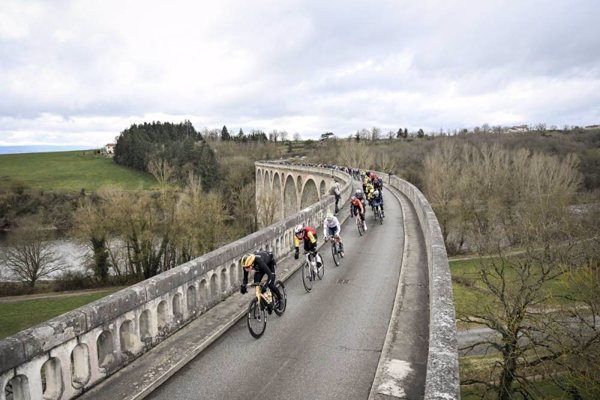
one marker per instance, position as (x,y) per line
(257,319)
(307,280)
(334,253)
(321,271)
(360,226)
(280,304)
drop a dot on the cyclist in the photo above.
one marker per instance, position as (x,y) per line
(356,206)
(332,227)
(378,200)
(361,196)
(262,263)
(378,184)
(337,193)
(366,178)
(308,235)
(369,191)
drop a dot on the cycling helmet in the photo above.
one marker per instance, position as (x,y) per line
(329,216)
(367,173)
(352,198)
(248,260)
(358,192)
(298,229)
(376,193)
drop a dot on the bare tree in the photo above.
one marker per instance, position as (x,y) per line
(384,162)
(29,254)
(266,209)
(355,154)
(441,171)
(162,171)
(516,298)
(90,228)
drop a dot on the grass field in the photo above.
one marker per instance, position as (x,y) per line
(69,171)
(16,316)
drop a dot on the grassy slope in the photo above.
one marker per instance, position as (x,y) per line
(15,317)
(69,171)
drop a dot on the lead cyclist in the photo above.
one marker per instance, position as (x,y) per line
(332,227)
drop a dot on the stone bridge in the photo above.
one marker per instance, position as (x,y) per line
(68,355)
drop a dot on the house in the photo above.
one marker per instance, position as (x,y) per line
(109,148)
(518,128)
(590,127)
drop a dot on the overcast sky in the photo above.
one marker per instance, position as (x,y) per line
(80,72)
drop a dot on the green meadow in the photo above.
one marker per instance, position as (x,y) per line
(69,171)
(18,315)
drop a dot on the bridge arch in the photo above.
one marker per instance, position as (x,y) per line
(276,192)
(310,195)
(290,197)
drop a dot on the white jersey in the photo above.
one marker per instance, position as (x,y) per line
(334,223)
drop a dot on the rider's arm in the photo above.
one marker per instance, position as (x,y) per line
(312,238)
(245,276)
(296,242)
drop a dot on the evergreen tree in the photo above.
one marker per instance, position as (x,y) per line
(225,134)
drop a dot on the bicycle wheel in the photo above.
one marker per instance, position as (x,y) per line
(360,226)
(279,306)
(334,253)
(257,319)
(307,276)
(380,214)
(321,271)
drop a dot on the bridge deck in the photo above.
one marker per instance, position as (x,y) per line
(327,345)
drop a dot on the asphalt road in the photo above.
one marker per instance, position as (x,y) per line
(328,342)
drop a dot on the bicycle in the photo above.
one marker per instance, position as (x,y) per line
(378,213)
(310,271)
(359,223)
(259,306)
(336,251)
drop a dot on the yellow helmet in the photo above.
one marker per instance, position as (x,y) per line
(248,260)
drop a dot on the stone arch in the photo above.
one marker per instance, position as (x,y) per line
(322,189)
(192,302)
(310,195)
(105,349)
(204,294)
(266,181)
(214,288)
(145,325)
(18,388)
(276,193)
(127,337)
(233,274)
(52,382)
(224,281)
(177,306)
(290,197)
(161,314)
(80,366)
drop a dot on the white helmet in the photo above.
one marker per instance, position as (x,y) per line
(299,228)
(376,193)
(329,216)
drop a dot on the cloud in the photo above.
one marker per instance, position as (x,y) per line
(73,71)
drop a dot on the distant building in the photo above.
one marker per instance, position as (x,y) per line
(589,127)
(518,128)
(109,148)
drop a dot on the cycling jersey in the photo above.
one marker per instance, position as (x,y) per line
(309,237)
(331,227)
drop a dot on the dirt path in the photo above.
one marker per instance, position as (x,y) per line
(14,299)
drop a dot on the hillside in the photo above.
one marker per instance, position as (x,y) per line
(68,171)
